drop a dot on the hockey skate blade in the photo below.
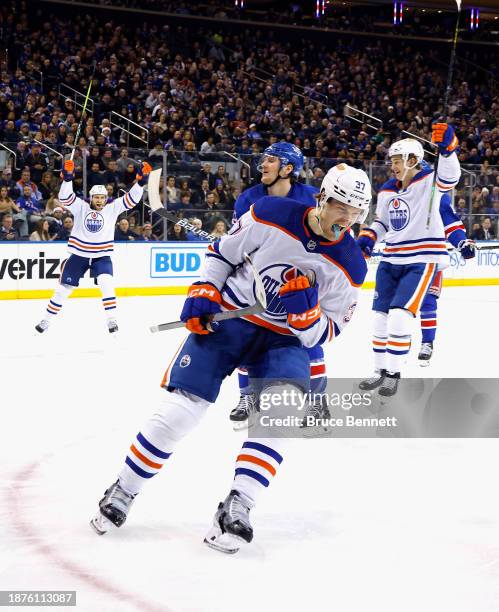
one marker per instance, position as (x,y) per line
(424,364)
(223,542)
(240,425)
(246,424)
(101,525)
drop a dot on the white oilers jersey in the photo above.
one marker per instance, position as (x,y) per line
(401,216)
(275,233)
(93,231)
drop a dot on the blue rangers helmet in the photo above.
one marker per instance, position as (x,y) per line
(288,153)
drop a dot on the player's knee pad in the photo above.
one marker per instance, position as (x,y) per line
(380,323)
(400,322)
(179,413)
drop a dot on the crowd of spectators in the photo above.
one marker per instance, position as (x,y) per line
(28,214)
(204,95)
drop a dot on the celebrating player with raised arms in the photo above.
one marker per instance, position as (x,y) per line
(280,167)
(289,243)
(414,249)
(91,242)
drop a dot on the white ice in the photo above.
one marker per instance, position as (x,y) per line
(348,525)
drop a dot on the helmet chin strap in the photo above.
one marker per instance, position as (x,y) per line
(406,169)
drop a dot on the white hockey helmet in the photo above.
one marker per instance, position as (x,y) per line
(348,185)
(98,190)
(407,147)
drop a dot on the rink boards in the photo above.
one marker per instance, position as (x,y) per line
(30,270)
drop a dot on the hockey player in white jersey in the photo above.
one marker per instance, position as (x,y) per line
(280,166)
(91,242)
(286,239)
(414,250)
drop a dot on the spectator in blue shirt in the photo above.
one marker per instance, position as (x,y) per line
(31,210)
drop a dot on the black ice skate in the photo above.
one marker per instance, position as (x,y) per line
(374,382)
(231,525)
(244,414)
(42,326)
(112,326)
(314,422)
(425,354)
(390,385)
(113,509)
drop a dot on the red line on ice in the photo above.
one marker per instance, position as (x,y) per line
(29,532)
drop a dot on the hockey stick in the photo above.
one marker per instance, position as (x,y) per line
(156,206)
(422,140)
(485,247)
(259,306)
(446,103)
(77,137)
(351,109)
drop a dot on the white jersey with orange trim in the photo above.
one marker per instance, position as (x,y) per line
(275,233)
(93,231)
(401,216)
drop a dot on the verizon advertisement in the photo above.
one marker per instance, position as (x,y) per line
(30,269)
(140,268)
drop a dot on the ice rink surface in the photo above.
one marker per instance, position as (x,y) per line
(348,525)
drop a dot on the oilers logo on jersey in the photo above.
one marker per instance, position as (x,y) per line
(399,213)
(185,361)
(94,221)
(273,277)
(350,311)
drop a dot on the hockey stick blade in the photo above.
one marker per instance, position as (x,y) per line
(259,306)
(153,189)
(156,206)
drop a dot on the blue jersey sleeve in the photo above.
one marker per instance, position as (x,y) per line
(455,231)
